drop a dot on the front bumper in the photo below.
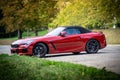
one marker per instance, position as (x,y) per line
(15,50)
(21,49)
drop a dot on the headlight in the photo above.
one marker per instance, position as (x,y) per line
(27,42)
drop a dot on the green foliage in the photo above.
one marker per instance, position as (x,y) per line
(92,13)
(31,68)
(11,14)
(27,14)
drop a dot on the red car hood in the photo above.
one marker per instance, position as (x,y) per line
(21,41)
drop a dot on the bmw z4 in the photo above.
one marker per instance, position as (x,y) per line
(61,40)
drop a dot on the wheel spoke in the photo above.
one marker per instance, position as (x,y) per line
(39,50)
(92,46)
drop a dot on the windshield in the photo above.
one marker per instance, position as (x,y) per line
(56,31)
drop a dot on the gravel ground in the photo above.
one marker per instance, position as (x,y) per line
(108,58)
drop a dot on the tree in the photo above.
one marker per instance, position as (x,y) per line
(13,15)
(26,14)
(94,13)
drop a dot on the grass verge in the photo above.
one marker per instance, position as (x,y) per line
(31,68)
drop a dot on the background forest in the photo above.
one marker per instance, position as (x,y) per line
(18,16)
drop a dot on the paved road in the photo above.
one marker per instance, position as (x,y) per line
(5,49)
(108,57)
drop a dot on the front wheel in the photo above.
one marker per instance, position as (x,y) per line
(92,46)
(40,49)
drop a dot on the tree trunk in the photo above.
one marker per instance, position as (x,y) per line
(36,33)
(19,34)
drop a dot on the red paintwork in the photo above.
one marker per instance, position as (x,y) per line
(72,43)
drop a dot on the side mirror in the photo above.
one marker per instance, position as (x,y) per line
(63,33)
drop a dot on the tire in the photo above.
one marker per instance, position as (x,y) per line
(92,46)
(40,50)
(76,52)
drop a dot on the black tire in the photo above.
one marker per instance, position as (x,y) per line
(92,46)
(40,50)
(76,52)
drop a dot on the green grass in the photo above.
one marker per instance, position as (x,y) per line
(30,34)
(31,68)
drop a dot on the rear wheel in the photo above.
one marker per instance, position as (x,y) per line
(92,46)
(40,49)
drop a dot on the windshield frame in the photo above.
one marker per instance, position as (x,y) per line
(56,31)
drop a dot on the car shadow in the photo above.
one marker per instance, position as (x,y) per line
(71,54)
(62,54)
(66,54)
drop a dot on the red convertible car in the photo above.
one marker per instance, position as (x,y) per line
(61,40)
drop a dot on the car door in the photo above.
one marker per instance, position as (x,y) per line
(70,42)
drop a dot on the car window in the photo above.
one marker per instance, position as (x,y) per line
(83,30)
(72,31)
